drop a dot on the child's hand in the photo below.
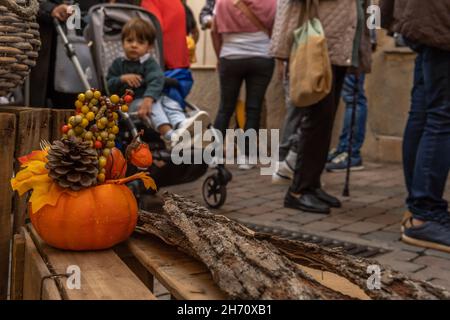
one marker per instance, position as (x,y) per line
(131,79)
(146,107)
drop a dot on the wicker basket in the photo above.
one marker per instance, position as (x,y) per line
(19,42)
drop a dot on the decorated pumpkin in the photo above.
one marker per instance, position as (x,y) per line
(96,218)
(116,166)
(141,156)
(79,200)
(138,153)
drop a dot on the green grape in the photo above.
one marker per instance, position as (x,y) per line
(106,152)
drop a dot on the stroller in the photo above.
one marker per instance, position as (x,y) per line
(103,32)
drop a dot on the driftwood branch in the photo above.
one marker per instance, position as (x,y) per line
(250,265)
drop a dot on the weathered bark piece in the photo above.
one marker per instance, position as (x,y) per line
(242,266)
(249,265)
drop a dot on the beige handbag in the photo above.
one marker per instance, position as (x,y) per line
(310,73)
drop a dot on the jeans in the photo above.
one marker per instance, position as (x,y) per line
(164,111)
(257,73)
(426,142)
(348,92)
(316,129)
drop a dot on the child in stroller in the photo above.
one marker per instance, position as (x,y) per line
(139,71)
(104,33)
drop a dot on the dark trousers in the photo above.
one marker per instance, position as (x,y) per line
(257,73)
(426,142)
(316,128)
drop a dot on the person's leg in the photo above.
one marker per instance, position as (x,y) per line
(231,77)
(429,225)
(316,128)
(287,150)
(348,93)
(173,111)
(257,79)
(338,162)
(361,119)
(159,119)
(415,125)
(290,129)
(433,153)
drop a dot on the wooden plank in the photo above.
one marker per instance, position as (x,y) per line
(17,267)
(135,265)
(14,110)
(59,118)
(104,275)
(33,125)
(184,277)
(34,270)
(7,143)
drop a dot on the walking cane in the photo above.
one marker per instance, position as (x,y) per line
(346,192)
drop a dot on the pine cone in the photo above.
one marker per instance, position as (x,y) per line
(72,164)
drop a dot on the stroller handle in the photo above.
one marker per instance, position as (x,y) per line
(127,118)
(70,51)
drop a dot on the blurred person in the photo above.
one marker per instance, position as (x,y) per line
(42,92)
(192,32)
(172,18)
(425,27)
(337,159)
(138,71)
(349,47)
(206,14)
(242,48)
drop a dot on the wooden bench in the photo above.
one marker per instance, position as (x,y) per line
(127,271)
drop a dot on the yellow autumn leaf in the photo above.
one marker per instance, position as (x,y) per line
(30,177)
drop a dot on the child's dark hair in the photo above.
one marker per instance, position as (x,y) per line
(140,29)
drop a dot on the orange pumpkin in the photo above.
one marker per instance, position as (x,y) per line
(97,218)
(140,156)
(116,165)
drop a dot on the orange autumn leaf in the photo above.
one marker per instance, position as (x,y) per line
(39,155)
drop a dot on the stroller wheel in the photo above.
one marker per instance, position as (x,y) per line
(214,193)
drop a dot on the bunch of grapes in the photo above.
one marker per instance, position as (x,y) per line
(96,121)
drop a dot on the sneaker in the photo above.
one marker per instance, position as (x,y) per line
(332,154)
(430,234)
(339,163)
(188,125)
(283,174)
(245,163)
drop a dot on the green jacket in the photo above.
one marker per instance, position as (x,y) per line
(152,75)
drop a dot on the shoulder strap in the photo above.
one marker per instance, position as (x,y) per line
(251,16)
(309,10)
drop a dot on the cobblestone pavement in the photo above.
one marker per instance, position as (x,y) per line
(370,216)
